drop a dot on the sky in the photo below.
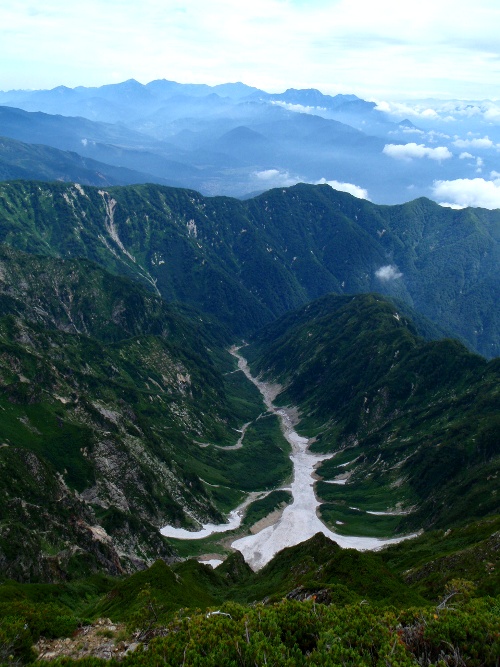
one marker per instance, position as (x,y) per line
(376,49)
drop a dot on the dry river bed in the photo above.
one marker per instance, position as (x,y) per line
(299,520)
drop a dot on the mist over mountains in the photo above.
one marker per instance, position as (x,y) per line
(235,140)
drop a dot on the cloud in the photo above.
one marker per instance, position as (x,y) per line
(465,156)
(388,272)
(298,108)
(408,130)
(352,189)
(276,178)
(413,150)
(406,109)
(443,110)
(483,142)
(464,192)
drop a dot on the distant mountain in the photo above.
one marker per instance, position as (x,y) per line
(114,145)
(311,97)
(247,262)
(175,132)
(119,101)
(19,160)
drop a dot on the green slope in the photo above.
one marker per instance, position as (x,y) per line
(107,395)
(414,423)
(249,261)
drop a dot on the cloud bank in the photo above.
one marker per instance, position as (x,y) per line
(463,192)
(413,150)
(298,108)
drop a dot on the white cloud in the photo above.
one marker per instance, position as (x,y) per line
(483,142)
(465,156)
(276,178)
(409,130)
(388,272)
(464,192)
(299,108)
(406,109)
(492,114)
(352,189)
(433,135)
(413,150)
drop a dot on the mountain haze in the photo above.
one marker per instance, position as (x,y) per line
(233,139)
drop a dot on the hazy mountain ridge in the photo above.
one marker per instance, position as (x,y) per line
(19,160)
(186,134)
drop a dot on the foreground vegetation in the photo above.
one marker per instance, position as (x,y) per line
(295,633)
(312,604)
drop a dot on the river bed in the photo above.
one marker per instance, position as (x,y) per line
(299,520)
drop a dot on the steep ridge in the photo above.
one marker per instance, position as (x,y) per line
(106,394)
(249,262)
(415,424)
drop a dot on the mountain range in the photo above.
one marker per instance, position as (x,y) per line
(236,140)
(170,255)
(247,262)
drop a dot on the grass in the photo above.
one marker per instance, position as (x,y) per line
(261,464)
(368,495)
(357,522)
(261,508)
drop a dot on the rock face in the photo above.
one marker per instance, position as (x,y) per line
(103,639)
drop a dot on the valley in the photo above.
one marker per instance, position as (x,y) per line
(299,521)
(138,436)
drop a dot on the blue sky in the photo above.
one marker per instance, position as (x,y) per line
(377,49)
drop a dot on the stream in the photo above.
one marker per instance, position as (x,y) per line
(299,520)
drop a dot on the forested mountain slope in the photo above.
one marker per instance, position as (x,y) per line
(107,394)
(415,424)
(249,262)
